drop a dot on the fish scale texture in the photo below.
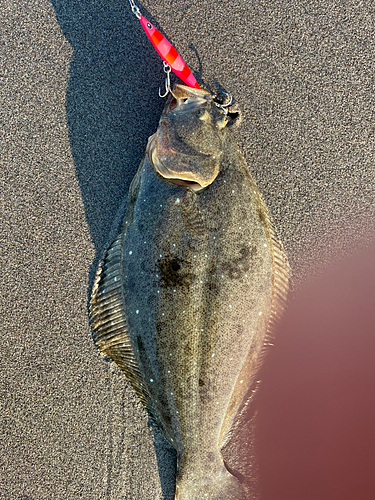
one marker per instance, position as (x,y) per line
(78,102)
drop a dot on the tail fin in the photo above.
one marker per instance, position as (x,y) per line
(225,486)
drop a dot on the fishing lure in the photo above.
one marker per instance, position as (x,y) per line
(172,59)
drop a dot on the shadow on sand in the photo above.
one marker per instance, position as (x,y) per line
(112,107)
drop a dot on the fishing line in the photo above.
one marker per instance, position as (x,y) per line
(172,61)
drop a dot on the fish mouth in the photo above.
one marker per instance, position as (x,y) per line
(179,167)
(183,92)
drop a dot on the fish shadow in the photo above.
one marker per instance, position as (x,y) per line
(165,454)
(112,102)
(112,107)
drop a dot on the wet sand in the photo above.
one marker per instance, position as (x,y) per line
(79,98)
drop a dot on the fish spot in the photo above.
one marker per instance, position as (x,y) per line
(137,311)
(151,379)
(130,252)
(237,267)
(201,383)
(173,273)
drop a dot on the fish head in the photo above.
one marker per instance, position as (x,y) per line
(188,144)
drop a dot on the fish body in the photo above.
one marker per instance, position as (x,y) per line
(168,53)
(188,292)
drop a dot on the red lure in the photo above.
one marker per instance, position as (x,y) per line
(168,53)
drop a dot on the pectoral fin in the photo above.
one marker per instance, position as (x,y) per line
(191,215)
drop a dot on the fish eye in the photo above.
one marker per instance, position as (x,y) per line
(173,103)
(202,114)
(149,26)
(175,266)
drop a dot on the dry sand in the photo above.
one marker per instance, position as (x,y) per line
(79,98)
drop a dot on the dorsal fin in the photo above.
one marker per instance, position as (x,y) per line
(281,282)
(280,288)
(281,275)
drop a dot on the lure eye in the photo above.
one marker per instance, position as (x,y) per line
(149,26)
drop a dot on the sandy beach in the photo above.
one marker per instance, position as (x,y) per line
(79,99)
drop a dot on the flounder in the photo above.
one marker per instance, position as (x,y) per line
(189,290)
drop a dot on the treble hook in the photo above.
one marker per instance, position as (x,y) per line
(167,70)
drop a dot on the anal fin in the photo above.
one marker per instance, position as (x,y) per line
(108,318)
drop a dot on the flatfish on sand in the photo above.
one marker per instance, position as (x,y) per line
(188,292)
